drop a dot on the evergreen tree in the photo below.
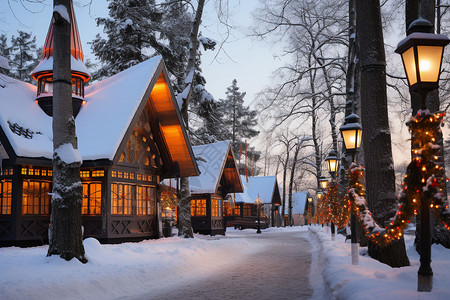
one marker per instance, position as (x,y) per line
(239,122)
(131,35)
(23,55)
(5,54)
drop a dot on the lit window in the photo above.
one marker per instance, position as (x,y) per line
(126,175)
(98,173)
(114,174)
(36,198)
(5,197)
(139,176)
(120,174)
(237,209)
(131,175)
(24,171)
(145,200)
(198,207)
(121,198)
(50,172)
(227,209)
(216,207)
(247,210)
(84,173)
(44,172)
(92,198)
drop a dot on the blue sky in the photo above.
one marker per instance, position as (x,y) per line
(248,61)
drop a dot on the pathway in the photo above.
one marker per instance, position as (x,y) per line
(280,270)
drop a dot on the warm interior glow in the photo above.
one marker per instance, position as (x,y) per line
(429,62)
(323,184)
(410,66)
(352,138)
(332,165)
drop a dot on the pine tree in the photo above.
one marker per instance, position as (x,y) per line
(131,30)
(5,55)
(23,51)
(239,122)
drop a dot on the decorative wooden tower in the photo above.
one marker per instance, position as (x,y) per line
(43,73)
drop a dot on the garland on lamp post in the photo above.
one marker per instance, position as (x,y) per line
(423,180)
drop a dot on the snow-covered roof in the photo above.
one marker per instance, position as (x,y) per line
(212,160)
(264,186)
(104,119)
(75,65)
(298,202)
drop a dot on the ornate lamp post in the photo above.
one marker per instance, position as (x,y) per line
(422,52)
(332,166)
(351,134)
(258,205)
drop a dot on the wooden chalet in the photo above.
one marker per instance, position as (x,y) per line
(130,136)
(245,212)
(219,176)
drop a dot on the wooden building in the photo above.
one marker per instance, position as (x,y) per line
(245,212)
(130,137)
(219,176)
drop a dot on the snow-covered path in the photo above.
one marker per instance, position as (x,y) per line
(280,270)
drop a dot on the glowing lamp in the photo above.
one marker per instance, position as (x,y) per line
(323,182)
(332,162)
(351,133)
(310,199)
(319,195)
(422,53)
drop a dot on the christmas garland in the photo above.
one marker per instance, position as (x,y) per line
(423,179)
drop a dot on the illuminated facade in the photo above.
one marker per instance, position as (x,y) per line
(130,136)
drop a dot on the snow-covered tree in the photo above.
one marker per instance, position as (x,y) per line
(131,30)
(65,231)
(380,177)
(4,54)
(23,55)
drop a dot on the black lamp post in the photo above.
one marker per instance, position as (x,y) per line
(351,134)
(332,166)
(258,205)
(310,202)
(421,53)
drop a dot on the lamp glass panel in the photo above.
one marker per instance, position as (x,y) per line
(323,184)
(332,165)
(358,140)
(429,62)
(410,66)
(349,139)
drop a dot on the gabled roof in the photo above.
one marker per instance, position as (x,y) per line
(216,162)
(299,202)
(103,122)
(263,186)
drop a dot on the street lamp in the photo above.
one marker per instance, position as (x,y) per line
(332,163)
(258,204)
(422,52)
(323,182)
(351,134)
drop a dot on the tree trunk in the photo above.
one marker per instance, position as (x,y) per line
(380,177)
(185,226)
(291,180)
(283,202)
(65,232)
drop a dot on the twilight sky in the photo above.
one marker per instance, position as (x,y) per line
(241,58)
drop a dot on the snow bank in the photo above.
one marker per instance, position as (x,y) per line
(115,271)
(374,280)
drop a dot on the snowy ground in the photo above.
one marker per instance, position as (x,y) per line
(132,269)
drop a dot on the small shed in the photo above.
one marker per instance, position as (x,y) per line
(219,176)
(245,213)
